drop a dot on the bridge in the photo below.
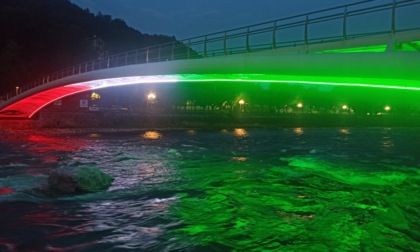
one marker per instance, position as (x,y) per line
(371,44)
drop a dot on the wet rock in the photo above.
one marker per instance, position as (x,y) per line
(79,179)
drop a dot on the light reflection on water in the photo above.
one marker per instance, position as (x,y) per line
(298,131)
(94,135)
(239,132)
(345,131)
(239,189)
(152,135)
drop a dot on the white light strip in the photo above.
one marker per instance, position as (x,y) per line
(113,82)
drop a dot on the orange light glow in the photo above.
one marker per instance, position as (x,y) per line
(298,131)
(152,135)
(240,132)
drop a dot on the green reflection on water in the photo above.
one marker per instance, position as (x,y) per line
(305,204)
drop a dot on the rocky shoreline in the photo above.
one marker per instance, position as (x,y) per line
(114,122)
(217,120)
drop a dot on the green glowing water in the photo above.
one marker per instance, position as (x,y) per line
(237,189)
(303,203)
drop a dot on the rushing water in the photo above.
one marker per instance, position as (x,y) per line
(301,189)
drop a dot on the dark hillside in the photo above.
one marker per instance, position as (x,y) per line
(42,36)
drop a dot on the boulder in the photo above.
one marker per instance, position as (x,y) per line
(78,179)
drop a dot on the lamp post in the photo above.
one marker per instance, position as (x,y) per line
(150,98)
(300,106)
(17,90)
(346,108)
(241,103)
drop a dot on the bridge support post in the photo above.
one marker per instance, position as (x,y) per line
(248,49)
(188,49)
(394,5)
(345,24)
(205,46)
(306,30)
(274,42)
(173,50)
(224,44)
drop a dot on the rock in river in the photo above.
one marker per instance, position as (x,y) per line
(78,179)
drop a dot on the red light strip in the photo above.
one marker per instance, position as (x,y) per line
(31,105)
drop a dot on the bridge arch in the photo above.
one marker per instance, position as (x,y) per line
(396,70)
(378,59)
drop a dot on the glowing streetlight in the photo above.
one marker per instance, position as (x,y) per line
(241,103)
(150,98)
(344,107)
(17,90)
(95,96)
(300,107)
(387,108)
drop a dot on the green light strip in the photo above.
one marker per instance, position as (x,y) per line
(412,46)
(307,80)
(362,49)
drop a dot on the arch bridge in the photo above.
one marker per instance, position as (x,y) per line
(372,44)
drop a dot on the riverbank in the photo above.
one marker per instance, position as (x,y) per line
(135,121)
(217,120)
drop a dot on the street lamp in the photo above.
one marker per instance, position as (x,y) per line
(17,90)
(150,98)
(346,109)
(387,108)
(241,103)
(300,106)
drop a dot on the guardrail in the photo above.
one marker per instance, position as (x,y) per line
(350,21)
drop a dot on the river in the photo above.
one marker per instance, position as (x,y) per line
(243,189)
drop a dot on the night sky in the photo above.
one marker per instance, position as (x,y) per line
(189,18)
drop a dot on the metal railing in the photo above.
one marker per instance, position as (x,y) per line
(345,22)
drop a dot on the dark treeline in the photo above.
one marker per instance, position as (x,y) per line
(42,36)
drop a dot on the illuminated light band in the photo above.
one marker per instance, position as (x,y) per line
(363,49)
(258,78)
(113,82)
(52,94)
(31,105)
(412,46)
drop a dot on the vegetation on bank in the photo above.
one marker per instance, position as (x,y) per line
(42,36)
